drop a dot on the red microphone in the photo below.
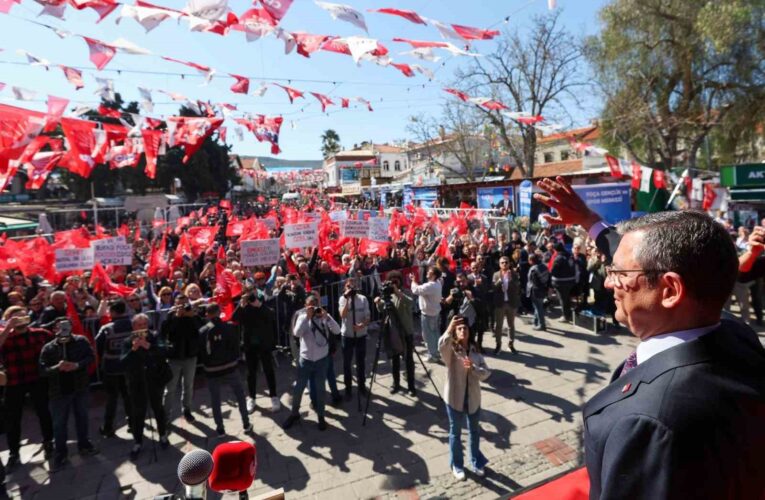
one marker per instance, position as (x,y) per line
(234,465)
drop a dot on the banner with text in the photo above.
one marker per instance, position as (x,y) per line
(301,235)
(354,228)
(74,259)
(112,251)
(338,215)
(611,201)
(378,229)
(260,252)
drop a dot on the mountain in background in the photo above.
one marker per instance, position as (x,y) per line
(270,162)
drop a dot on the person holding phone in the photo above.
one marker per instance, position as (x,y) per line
(20,347)
(466,369)
(65,361)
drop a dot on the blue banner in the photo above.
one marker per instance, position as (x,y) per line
(496,197)
(426,196)
(408,197)
(524,198)
(610,201)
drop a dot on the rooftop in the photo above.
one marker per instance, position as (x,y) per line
(591,133)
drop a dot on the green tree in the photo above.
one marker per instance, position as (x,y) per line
(675,74)
(330,143)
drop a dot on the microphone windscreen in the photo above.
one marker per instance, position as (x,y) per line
(234,466)
(195,467)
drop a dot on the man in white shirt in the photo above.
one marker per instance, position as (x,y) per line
(314,327)
(683,415)
(354,316)
(429,299)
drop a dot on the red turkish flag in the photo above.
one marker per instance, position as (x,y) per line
(109,112)
(636,171)
(307,43)
(404,68)
(100,52)
(529,120)
(409,15)
(266,128)
(74,76)
(242,85)
(463,96)
(344,102)
(613,164)
(152,139)
(79,135)
(495,106)
(710,195)
(469,33)
(158,261)
(192,132)
(291,93)
(324,100)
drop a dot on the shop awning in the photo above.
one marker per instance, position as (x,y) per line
(744,194)
(750,174)
(14,224)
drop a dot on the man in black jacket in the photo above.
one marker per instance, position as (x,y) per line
(180,335)
(109,345)
(683,415)
(258,327)
(65,361)
(219,354)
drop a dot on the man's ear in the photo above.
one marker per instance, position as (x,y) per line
(673,290)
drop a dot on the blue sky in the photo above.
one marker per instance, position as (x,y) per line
(393,96)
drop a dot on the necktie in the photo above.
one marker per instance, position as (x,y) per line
(629,363)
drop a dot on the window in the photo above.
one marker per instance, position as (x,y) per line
(548,158)
(564,155)
(397,166)
(386,167)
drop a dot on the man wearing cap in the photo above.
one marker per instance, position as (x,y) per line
(20,347)
(258,327)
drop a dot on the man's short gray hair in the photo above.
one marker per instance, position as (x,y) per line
(691,244)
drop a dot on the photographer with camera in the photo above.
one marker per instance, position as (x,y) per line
(313,326)
(354,316)
(460,301)
(109,342)
(219,353)
(147,373)
(394,302)
(258,327)
(65,361)
(180,335)
(20,347)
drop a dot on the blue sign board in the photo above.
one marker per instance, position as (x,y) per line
(524,198)
(408,196)
(426,196)
(610,201)
(494,197)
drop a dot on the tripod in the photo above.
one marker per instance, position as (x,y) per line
(387,318)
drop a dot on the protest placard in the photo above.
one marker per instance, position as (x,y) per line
(301,235)
(112,251)
(378,228)
(260,252)
(73,259)
(354,228)
(338,215)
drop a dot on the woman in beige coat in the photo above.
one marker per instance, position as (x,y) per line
(466,369)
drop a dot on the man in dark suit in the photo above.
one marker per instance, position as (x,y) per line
(684,415)
(506,203)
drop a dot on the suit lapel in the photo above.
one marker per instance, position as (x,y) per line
(688,353)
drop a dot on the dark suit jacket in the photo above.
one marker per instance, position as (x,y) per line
(687,423)
(513,290)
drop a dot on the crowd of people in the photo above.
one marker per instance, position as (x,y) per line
(144,331)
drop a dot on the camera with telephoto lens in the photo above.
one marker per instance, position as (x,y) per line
(387,291)
(458,296)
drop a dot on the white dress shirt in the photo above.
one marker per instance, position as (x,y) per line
(652,346)
(428,297)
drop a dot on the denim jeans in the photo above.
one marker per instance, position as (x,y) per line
(539,312)
(456,422)
(60,407)
(316,372)
(234,381)
(354,347)
(431,334)
(331,380)
(182,368)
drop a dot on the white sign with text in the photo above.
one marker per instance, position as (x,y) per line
(260,252)
(112,251)
(354,228)
(301,235)
(74,259)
